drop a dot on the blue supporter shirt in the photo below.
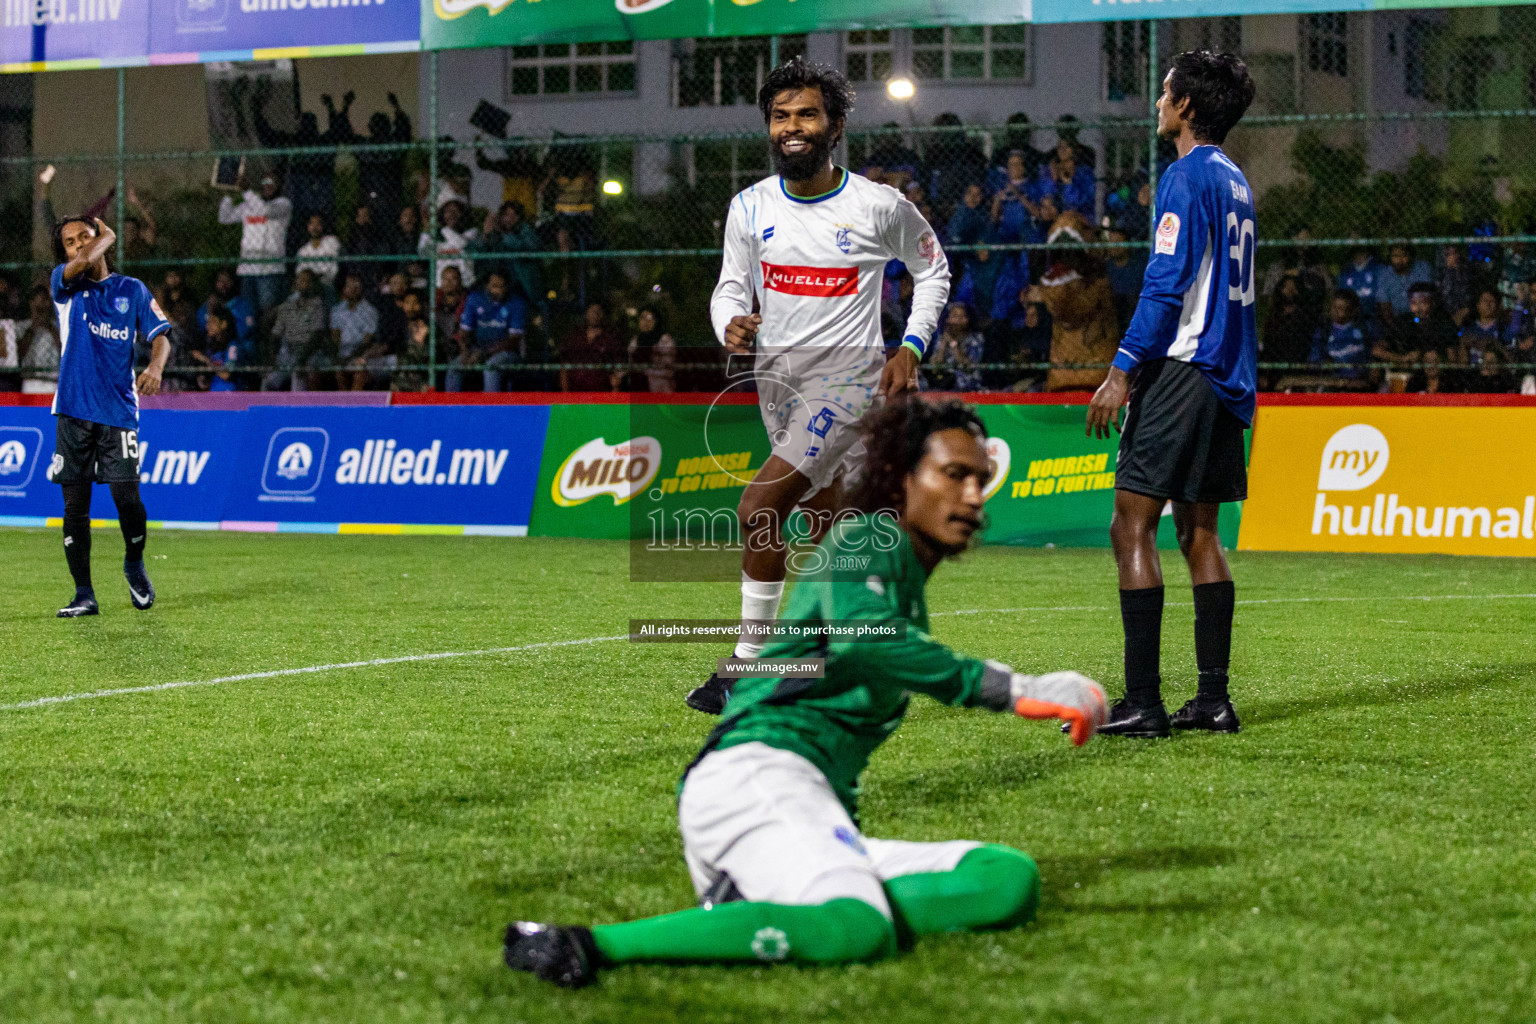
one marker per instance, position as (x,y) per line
(1346,344)
(245,323)
(1197,300)
(1366,283)
(490,321)
(98,321)
(1077,194)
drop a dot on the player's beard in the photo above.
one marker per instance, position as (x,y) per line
(802,166)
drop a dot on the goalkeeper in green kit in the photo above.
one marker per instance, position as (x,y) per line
(767,810)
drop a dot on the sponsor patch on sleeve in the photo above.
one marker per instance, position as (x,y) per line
(928,248)
(1167,234)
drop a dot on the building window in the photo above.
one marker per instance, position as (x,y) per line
(1125,59)
(726,72)
(1219,35)
(867,55)
(988,52)
(721,169)
(1125,156)
(564,69)
(1328,43)
(1421,40)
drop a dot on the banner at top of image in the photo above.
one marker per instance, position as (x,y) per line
(96,31)
(106,33)
(454,23)
(204,26)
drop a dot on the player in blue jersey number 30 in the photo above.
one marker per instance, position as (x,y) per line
(97,404)
(1189,363)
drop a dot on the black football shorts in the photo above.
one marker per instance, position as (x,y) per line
(84,452)
(1179,442)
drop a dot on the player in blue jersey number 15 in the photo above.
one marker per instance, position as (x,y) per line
(97,405)
(1189,364)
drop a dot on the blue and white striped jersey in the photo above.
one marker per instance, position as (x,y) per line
(1197,301)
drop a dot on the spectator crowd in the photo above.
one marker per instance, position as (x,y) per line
(1047,261)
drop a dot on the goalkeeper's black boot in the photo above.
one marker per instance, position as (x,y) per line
(140,591)
(83,604)
(1142,721)
(1211,715)
(565,955)
(711,697)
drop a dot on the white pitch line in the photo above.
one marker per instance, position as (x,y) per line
(440,655)
(274,673)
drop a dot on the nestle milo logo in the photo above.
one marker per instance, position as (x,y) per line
(621,470)
(999,461)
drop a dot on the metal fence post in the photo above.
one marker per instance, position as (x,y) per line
(432,219)
(122,114)
(1154,90)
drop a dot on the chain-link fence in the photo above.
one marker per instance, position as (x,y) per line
(319,245)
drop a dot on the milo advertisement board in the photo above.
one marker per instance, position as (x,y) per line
(453,23)
(665,477)
(1051,484)
(668,479)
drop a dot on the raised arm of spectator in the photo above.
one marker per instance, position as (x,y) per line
(147,232)
(231,212)
(268,136)
(338,123)
(402,119)
(485,163)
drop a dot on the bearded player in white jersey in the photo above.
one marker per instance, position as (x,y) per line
(809,246)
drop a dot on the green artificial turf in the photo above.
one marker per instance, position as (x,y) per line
(347,845)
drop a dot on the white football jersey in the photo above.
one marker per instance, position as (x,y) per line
(816,266)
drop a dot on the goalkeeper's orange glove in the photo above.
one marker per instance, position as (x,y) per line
(1070,696)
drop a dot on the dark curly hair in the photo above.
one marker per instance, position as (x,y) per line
(895,439)
(56,236)
(1218,87)
(798,73)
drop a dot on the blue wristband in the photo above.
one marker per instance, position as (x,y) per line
(915,343)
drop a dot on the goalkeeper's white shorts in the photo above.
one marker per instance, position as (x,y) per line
(769,819)
(813,424)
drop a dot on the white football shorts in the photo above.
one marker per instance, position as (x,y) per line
(813,424)
(769,819)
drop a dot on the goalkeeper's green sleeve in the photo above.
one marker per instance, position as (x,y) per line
(992,887)
(839,931)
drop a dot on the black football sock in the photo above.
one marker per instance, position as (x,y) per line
(1142,613)
(1213,637)
(131,519)
(77,536)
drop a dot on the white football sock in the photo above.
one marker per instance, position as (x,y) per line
(759,603)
